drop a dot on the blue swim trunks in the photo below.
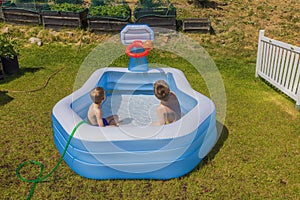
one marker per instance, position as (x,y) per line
(105,123)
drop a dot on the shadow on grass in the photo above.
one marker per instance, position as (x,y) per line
(275,89)
(223,132)
(22,72)
(209,4)
(4,98)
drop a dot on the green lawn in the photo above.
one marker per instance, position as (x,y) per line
(256,157)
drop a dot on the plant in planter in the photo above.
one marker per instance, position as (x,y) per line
(108,15)
(156,13)
(116,11)
(150,3)
(156,7)
(67,7)
(8,55)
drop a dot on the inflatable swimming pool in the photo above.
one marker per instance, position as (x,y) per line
(135,151)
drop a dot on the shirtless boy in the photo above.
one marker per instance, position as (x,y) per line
(95,113)
(169,109)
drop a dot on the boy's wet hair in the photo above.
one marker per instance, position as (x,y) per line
(161,90)
(97,95)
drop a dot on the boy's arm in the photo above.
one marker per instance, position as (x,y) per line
(99,118)
(161,115)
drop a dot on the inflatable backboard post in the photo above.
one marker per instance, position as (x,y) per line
(133,37)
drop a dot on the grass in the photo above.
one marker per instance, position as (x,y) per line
(257,156)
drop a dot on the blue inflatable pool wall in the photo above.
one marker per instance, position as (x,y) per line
(135,152)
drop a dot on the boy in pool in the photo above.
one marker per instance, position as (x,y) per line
(95,113)
(169,109)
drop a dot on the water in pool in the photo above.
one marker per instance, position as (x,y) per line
(133,110)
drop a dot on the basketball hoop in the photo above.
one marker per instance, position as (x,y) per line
(136,44)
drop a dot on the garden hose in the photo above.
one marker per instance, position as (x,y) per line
(40,177)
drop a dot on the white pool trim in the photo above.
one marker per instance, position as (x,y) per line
(64,113)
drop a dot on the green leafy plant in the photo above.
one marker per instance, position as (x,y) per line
(154,4)
(7,47)
(30,1)
(148,8)
(67,7)
(68,1)
(122,11)
(106,2)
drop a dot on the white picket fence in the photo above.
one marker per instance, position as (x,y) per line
(279,64)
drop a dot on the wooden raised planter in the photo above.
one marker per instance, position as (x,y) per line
(1,71)
(1,15)
(61,19)
(22,14)
(196,25)
(160,22)
(156,17)
(104,24)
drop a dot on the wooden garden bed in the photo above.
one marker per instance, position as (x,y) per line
(160,22)
(156,17)
(1,71)
(17,15)
(196,25)
(1,16)
(61,19)
(101,24)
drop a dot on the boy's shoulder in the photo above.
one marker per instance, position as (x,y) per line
(160,107)
(172,93)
